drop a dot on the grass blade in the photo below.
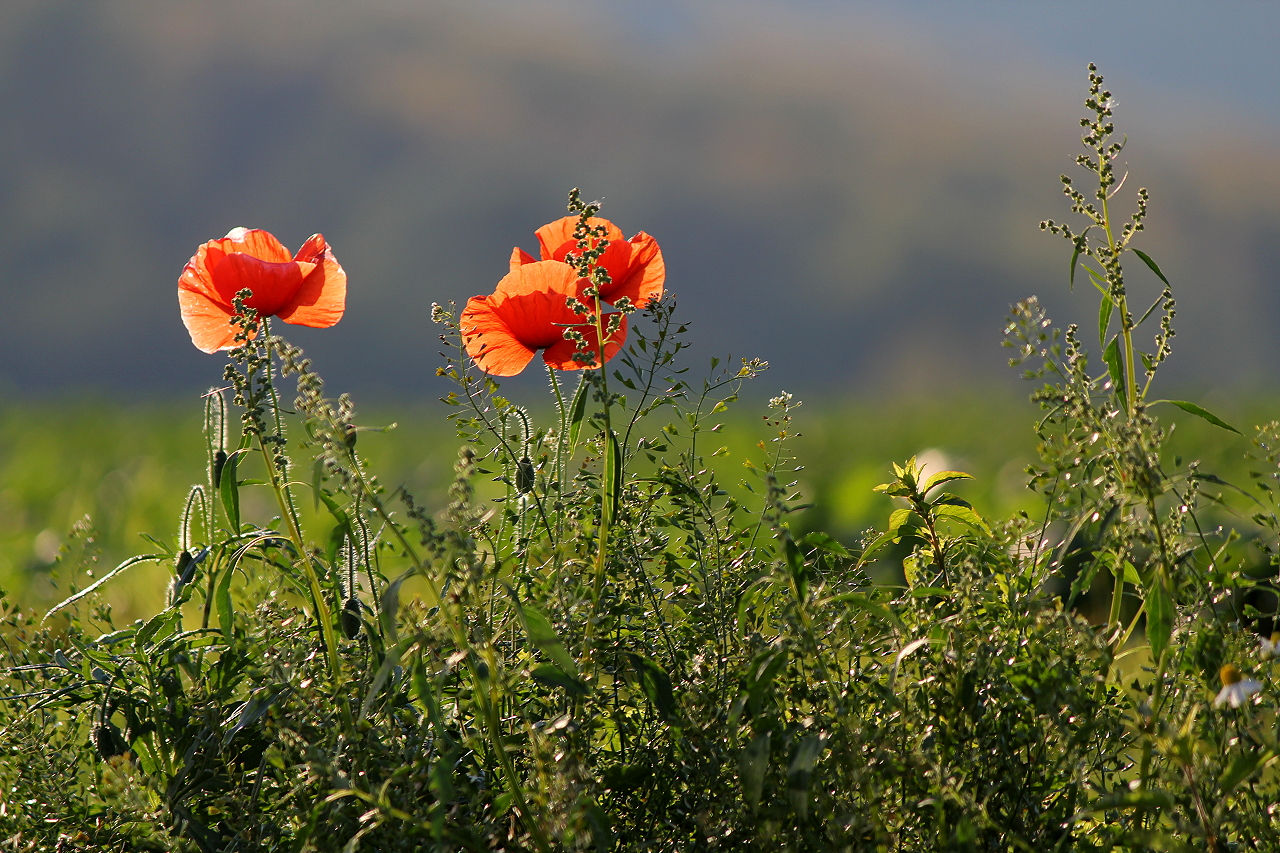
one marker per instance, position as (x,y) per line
(1200,412)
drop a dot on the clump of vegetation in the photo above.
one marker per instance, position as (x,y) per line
(628,648)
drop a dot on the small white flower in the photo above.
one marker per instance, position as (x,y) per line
(1269,648)
(1235,689)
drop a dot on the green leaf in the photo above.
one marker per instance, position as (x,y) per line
(898,519)
(549,673)
(250,711)
(795,567)
(577,413)
(1146,259)
(876,544)
(930,592)
(613,477)
(800,773)
(229,490)
(317,481)
(389,664)
(764,668)
(747,601)
(752,765)
(389,607)
(339,514)
(1075,256)
(943,477)
(222,595)
(824,542)
(1127,571)
(161,621)
(656,684)
(1200,412)
(860,601)
(906,651)
(543,636)
(1160,609)
(1116,371)
(1097,281)
(1244,766)
(911,569)
(963,514)
(1147,313)
(1104,318)
(127,564)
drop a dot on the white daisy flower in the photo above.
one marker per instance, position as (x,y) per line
(1269,648)
(1236,690)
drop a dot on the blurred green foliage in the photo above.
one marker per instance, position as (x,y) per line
(128,467)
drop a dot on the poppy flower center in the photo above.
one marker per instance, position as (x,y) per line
(273,284)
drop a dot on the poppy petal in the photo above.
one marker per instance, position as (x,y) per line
(208,323)
(519,257)
(256,243)
(533,301)
(645,275)
(489,341)
(322,297)
(560,355)
(556,238)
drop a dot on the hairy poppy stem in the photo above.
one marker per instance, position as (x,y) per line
(607,478)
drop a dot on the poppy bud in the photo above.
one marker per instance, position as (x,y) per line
(184,564)
(219,460)
(525,476)
(108,742)
(349,619)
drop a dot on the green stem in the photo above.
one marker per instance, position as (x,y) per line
(607,476)
(1117,594)
(290,519)
(563,427)
(1126,328)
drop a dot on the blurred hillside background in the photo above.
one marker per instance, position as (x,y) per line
(849,190)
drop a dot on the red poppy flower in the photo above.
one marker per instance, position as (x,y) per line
(635,266)
(309,289)
(526,313)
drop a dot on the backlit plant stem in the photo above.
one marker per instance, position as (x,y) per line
(289,515)
(1130,373)
(1126,322)
(597,587)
